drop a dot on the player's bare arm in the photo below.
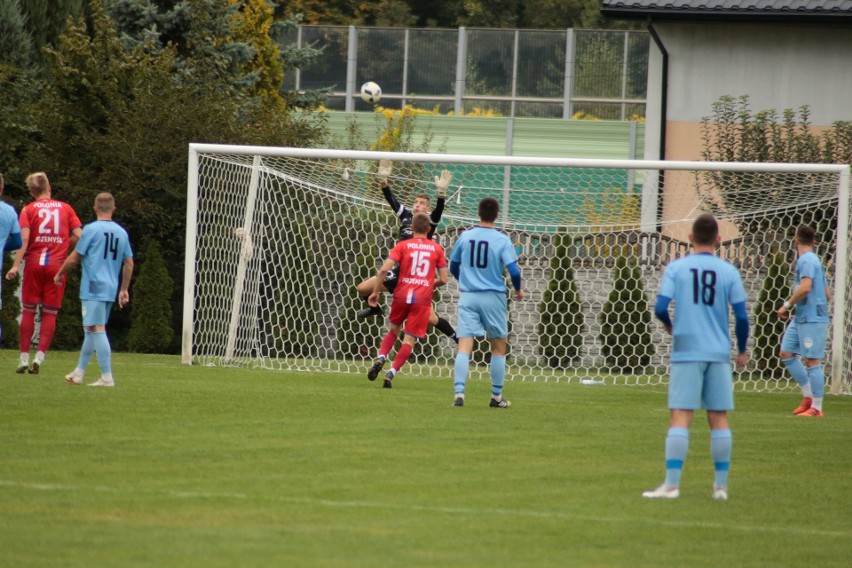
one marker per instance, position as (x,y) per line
(799,294)
(75,236)
(19,255)
(126,275)
(442,277)
(70,262)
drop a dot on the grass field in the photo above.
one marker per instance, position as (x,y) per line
(189,466)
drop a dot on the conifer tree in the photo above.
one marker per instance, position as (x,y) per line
(626,318)
(46,21)
(360,338)
(560,328)
(16,43)
(151,311)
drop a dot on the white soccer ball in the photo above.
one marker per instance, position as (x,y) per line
(371,92)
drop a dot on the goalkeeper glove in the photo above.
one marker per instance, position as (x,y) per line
(385,168)
(443,182)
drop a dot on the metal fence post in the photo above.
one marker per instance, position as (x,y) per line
(461,71)
(351,67)
(570,44)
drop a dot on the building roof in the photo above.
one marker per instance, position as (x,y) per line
(778,10)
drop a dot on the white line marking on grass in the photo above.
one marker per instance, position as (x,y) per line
(467,511)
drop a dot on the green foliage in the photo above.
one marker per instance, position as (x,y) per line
(560,329)
(768,327)
(294,281)
(361,338)
(151,312)
(46,21)
(626,317)
(252,25)
(351,12)
(734,133)
(69,322)
(118,106)
(16,44)
(541,14)
(11,308)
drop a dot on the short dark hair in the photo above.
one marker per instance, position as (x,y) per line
(805,234)
(423,196)
(488,209)
(104,202)
(421,223)
(705,229)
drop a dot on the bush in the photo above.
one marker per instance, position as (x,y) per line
(768,327)
(151,310)
(11,308)
(69,322)
(560,329)
(625,319)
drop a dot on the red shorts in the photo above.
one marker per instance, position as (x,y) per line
(415,316)
(39,288)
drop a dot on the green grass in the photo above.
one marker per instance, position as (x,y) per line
(191,466)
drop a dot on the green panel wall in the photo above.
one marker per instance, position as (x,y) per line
(531,136)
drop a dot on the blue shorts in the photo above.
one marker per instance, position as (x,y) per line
(805,339)
(95,312)
(701,385)
(483,313)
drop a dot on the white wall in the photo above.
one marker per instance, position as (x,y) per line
(778,66)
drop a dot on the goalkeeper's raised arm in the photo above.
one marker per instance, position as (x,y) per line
(421,204)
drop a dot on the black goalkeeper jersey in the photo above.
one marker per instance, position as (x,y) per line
(405,215)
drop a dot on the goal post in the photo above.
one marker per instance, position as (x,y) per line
(277,239)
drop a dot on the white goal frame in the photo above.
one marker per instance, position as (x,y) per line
(649,215)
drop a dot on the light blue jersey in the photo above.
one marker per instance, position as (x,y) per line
(483,253)
(8,223)
(104,245)
(814,307)
(703,287)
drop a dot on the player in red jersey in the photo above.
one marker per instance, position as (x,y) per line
(48,230)
(418,259)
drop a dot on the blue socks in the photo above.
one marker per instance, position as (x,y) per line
(720,450)
(797,370)
(677,446)
(817,380)
(87,350)
(498,374)
(460,371)
(103,351)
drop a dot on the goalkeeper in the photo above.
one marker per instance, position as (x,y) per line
(422,204)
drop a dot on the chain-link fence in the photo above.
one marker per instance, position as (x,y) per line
(524,73)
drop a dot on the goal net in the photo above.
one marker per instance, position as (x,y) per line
(278,238)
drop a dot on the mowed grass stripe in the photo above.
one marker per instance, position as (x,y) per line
(197,466)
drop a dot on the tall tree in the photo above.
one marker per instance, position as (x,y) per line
(46,21)
(107,121)
(351,12)
(252,26)
(16,43)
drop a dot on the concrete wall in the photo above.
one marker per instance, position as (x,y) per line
(778,66)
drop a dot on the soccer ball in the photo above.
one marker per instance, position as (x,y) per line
(371,92)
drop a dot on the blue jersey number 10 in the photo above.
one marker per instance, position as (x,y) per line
(479,254)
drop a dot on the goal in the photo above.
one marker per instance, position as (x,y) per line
(277,239)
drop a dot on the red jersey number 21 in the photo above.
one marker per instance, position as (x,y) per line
(48,215)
